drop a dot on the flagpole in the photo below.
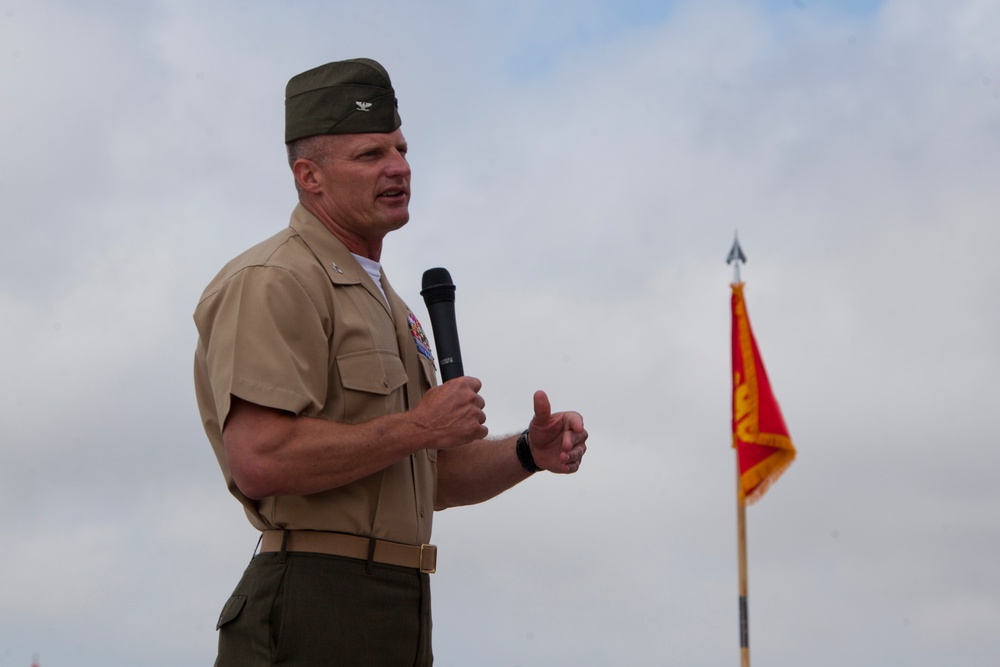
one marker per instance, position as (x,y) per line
(741,538)
(735,257)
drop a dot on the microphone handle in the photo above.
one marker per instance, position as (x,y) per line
(446,339)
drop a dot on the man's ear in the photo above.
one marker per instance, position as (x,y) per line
(306,176)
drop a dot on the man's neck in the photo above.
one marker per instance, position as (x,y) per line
(370,248)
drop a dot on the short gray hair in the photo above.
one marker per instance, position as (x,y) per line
(307,148)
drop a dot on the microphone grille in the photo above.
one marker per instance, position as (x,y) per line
(437,286)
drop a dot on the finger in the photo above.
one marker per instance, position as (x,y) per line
(574,422)
(473,383)
(572,438)
(573,455)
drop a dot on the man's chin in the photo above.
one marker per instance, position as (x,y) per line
(398,220)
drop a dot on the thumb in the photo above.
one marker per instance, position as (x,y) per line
(543,409)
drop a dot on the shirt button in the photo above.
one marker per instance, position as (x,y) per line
(385,382)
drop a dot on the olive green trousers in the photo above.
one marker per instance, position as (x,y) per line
(313,610)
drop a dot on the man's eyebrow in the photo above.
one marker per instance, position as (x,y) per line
(372,147)
(379,147)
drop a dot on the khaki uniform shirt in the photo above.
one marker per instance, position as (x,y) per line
(296,324)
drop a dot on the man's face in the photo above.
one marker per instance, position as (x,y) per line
(366,183)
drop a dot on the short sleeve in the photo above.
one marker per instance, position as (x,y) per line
(267,342)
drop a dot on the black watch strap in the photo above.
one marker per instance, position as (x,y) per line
(524,453)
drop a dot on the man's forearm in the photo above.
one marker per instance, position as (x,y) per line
(272,453)
(275,453)
(477,472)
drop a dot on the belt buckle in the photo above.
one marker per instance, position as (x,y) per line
(428,558)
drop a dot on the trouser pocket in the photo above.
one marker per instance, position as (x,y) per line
(234,605)
(250,622)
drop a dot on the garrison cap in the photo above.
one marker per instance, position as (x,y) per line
(344,97)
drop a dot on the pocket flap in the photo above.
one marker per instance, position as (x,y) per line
(372,371)
(232,609)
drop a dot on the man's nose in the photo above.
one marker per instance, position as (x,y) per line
(398,166)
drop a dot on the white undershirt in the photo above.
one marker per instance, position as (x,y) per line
(373,269)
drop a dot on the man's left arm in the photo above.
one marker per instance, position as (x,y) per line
(486,468)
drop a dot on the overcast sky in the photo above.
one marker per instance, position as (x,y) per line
(580,166)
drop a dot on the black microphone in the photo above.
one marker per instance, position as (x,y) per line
(439,295)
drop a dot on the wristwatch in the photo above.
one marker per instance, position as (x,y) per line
(524,453)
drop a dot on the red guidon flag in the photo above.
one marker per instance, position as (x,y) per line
(763,448)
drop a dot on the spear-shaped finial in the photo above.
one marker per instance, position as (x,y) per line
(735,257)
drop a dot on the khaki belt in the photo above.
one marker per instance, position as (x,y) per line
(422,557)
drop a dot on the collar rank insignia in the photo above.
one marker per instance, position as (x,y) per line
(419,337)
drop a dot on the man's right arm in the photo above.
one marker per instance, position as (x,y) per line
(272,452)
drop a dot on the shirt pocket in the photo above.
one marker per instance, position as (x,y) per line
(373,383)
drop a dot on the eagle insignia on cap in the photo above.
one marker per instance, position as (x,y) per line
(364,106)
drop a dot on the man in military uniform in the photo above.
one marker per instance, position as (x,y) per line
(318,392)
